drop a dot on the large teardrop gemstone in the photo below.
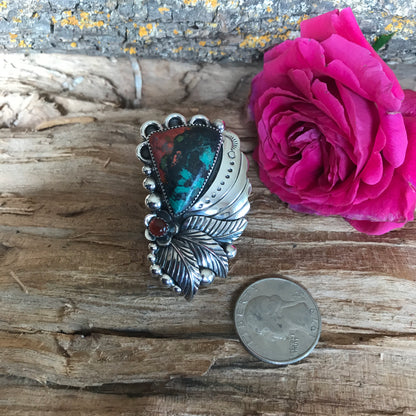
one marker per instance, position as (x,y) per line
(184,157)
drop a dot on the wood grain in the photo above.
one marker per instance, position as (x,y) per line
(94,334)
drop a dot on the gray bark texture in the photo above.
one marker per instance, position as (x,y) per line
(192,30)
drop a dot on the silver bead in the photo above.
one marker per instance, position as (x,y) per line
(176,290)
(230,251)
(199,119)
(152,258)
(249,189)
(142,152)
(167,281)
(155,271)
(181,121)
(148,218)
(153,202)
(149,184)
(147,170)
(149,236)
(219,124)
(152,247)
(138,148)
(150,126)
(207,277)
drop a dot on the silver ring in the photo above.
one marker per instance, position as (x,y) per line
(198,189)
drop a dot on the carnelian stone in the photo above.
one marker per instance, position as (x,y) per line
(158,227)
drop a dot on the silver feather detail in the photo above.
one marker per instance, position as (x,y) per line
(178,260)
(209,254)
(222,231)
(189,251)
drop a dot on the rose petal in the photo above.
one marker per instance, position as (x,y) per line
(373,170)
(396,144)
(366,191)
(341,142)
(280,145)
(277,50)
(375,228)
(276,104)
(309,113)
(337,168)
(263,91)
(276,185)
(320,27)
(301,79)
(259,86)
(305,172)
(408,168)
(302,209)
(334,202)
(362,116)
(395,204)
(302,53)
(408,107)
(339,71)
(368,70)
(344,24)
(344,165)
(338,22)
(329,104)
(265,148)
(311,54)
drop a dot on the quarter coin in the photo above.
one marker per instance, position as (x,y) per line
(277,320)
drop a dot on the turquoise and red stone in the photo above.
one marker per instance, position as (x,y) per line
(184,157)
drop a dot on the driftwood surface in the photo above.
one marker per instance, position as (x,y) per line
(83,327)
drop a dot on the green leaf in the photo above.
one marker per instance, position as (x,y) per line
(382,40)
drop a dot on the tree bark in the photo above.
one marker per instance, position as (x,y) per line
(190,30)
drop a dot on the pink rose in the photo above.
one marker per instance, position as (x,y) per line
(336,131)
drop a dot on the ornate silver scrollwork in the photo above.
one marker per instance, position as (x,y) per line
(197,179)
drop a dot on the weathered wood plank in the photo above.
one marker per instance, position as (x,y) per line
(75,238)
(94,258)
(79,360)
(376,376)
(94,334)
(36,89)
